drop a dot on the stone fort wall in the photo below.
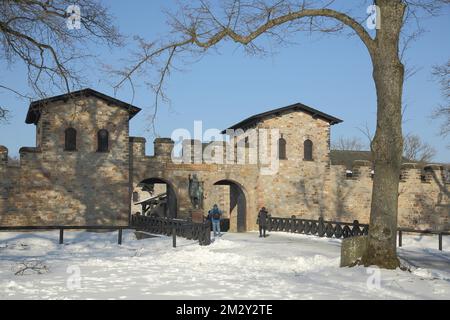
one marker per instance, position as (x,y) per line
(55,187)
(423,202)
(309,190)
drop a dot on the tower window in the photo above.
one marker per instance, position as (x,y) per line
(103,141)
(70,140)
(308,150)
(282,148)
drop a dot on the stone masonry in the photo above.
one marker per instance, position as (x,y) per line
(86,187)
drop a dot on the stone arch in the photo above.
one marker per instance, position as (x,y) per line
(171,209)
(238,206)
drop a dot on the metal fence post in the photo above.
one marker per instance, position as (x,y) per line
(119,239)
(61,236)
(440,241)
(174,237)
(207,233)
(400,242)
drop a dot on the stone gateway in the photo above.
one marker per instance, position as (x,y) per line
(86,170)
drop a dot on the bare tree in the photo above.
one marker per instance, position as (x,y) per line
(197,29)
(349,144)
(442,73)
(4,113)
(417,150)
(32,266)
(35,33)
(414,148)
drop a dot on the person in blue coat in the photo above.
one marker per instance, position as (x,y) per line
(215,215)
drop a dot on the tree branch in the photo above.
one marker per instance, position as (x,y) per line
(272,23)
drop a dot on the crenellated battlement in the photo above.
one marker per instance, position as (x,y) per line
(435,173)
(410,172)
(3,156)
(163,147)
(192,151)
(29,156)
(137,146)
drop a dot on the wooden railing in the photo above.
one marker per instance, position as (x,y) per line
(318,227)
(338,229)
(440,235)
(62,228)
(169,227)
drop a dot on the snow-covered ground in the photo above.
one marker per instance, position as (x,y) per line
(237,266)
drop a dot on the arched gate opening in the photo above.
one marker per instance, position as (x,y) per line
(155,197)
(234,204)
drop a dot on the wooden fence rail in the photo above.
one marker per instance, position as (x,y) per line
(338,229)
(170,226)
(62,228)
(318,227)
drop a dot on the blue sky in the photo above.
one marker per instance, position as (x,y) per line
(330,73)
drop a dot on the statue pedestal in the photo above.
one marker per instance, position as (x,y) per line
(197,215)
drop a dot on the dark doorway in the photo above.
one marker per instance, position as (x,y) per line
(155,197)
(238,206)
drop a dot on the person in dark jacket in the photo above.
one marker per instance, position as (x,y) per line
(215,215)
(262,221)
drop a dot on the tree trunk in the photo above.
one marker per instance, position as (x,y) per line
(387,145)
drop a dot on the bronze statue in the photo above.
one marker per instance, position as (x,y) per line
(196,192)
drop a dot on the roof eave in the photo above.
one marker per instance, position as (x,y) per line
(314,113)
(34,110)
